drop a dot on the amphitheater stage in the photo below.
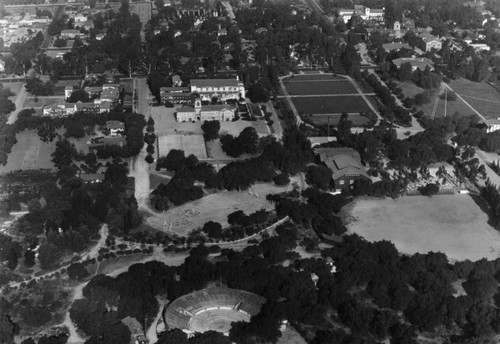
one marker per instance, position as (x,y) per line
(218,319)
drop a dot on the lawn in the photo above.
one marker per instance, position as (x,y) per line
(42,102)
(29,153)
(452,224)
(214,207)
(411,90)
(330,105)
(319,87)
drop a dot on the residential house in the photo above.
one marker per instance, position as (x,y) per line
(115,127)
(200,112)
(176,81)
(2,66)
(388,47)
(70,34)
(345,164)
(80,18)
(222,89)
(92,178)
(416,63)
(492,125)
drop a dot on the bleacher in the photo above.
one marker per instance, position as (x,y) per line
(178,313)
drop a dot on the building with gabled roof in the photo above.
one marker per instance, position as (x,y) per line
(430,42)
(416,63)
(345,164)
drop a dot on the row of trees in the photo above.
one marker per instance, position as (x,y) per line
(389,109)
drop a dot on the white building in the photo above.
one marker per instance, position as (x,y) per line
(222,89)
(363,12)
(492,125)
(200,112)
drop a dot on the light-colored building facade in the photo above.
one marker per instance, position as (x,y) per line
(200,112)
(363,12)
(430,42)
(223,89)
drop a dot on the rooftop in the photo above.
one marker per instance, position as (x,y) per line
(215,82)
(342,161)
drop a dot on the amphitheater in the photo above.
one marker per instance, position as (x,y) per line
(213,308)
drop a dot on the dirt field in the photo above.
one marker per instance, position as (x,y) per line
(452,224)
(214,207)
(165,123)
(29,153)
(190,144)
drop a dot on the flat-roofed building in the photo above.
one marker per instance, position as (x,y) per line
(223,89)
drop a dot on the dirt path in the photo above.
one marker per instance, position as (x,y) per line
(151,331)
(20,98)
(74,337)
(139,169)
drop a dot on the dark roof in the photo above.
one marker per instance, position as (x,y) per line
(342,162)
(214,82)
(115,125)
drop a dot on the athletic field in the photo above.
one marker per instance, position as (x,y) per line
(452,224)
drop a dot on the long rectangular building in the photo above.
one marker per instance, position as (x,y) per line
(222,89)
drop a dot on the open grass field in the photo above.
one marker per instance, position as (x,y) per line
(452,224)
(215,151)
(411,90)
(29,153)
(297,86)
(214,207)
(42,101)
(483,97)
(190,144)
(330,105)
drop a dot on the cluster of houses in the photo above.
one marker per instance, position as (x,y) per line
(204,90)
(104,98)
(16,28)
